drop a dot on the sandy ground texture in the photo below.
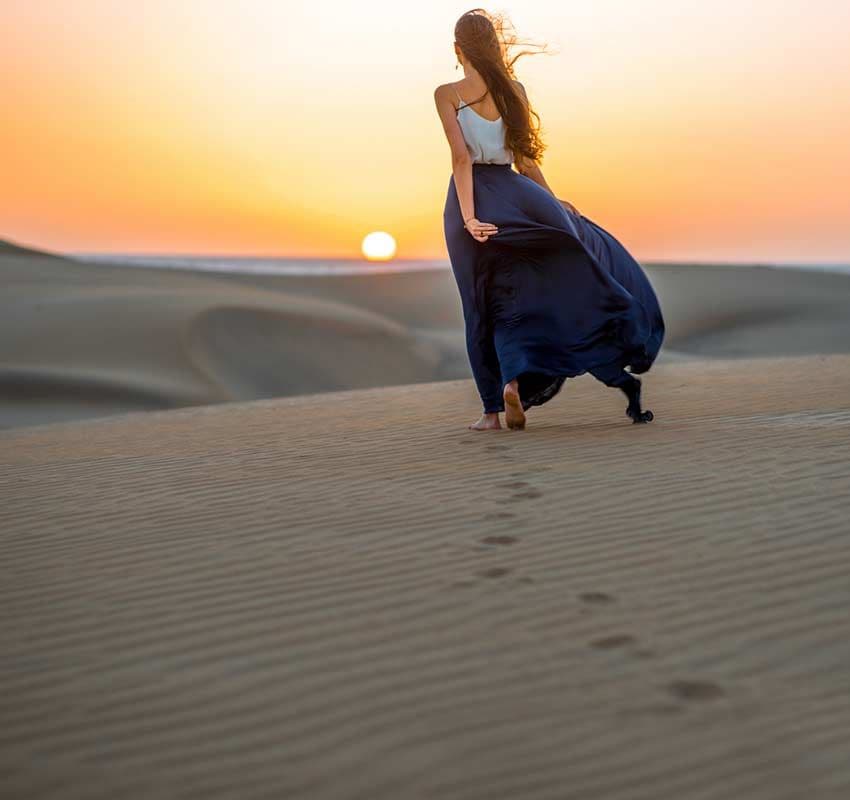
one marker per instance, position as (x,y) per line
(84,340)
(351,596)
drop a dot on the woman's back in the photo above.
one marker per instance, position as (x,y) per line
(485,139)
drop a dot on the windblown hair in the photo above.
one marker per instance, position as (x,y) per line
(486,40)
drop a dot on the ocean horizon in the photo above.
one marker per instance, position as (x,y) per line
(270,265)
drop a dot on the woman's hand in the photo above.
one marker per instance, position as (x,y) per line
(570,207)
(480,231)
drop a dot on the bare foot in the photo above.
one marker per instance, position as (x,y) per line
(487,422)
(514,414)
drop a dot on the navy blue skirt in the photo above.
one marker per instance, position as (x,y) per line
(551,296)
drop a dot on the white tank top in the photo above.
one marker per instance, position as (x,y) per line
(485,139)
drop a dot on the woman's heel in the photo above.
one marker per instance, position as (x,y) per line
(514,413)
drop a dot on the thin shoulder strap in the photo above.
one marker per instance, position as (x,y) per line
(463,102)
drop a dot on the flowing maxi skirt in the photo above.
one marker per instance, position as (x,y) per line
(550,296)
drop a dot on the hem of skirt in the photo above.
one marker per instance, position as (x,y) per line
(637,361)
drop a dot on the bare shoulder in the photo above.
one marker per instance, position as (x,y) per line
(441,98)
(443,90)
(446,98)
(522,89)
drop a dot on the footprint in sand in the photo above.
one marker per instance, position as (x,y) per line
(613,642)
(596,598)
(529,493)
(513,485)
(495,572)
(695,690)
(498,447)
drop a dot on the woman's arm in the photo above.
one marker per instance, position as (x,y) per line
(480,346)
(461,164)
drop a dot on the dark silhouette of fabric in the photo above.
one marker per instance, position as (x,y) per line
(551,296)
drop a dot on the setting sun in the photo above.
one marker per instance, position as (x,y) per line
(378,246)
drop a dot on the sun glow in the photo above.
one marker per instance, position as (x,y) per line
(378,246)
(219,128)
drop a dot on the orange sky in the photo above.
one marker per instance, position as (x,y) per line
(690,130)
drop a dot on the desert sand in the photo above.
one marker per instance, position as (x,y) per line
(347,594)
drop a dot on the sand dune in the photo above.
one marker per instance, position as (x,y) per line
(86,340)
(303,598)
(731,311)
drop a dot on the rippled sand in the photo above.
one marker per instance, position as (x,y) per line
(349,595)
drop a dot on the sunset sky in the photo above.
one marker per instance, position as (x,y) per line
(691,130)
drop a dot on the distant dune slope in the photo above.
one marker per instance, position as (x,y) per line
(8,248)
(80,340)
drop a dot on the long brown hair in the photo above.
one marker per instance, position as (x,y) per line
(485,40)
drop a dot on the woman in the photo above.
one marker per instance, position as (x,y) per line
(546,293)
